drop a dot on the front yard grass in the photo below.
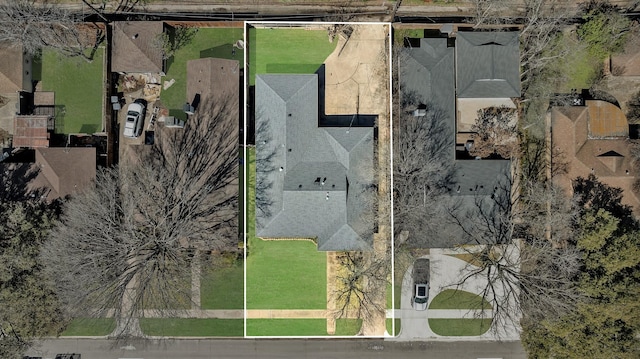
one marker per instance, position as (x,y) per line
(192,327)
(222,288)
(286,275)
(89,327)
(300,327)
(78,87)
(214,42)
(389,324)
(291,51)
(460,327)
(281,274)
(458,299)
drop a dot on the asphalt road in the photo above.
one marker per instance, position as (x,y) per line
(276,348)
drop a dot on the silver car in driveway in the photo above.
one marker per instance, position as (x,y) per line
(421,271)
(135,118)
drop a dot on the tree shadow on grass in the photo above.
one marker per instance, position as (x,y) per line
(225,51)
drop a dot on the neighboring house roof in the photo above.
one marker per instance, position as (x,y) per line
(315,180)
(488,64)
(58,171)
(31,131)
(212,77)
(592,139)
(15,69)
(133,47)
(627,63)
(65,171)
(428,72)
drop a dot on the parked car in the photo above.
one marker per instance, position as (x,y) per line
(68,356)
(420,284)
(135,118)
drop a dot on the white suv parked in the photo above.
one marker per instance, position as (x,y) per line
(135,118)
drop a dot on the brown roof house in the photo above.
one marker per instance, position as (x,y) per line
(133,47)
(59,171)
(15,69)
(594,139)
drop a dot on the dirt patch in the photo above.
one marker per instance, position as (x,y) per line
(357,73)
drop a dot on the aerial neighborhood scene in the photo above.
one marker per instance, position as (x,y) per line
(319,179)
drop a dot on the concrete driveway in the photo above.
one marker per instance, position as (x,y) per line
(446,270)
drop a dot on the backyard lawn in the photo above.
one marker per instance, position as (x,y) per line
(78,87)
(293,51)
(207,42)
(192,327)
(300,327)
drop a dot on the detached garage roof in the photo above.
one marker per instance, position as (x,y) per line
(133,49)
(488,64)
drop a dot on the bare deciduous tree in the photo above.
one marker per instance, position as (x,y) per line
(43,24)
(361,280)
(421,164)
(127,245)
(495,133)
(523,256)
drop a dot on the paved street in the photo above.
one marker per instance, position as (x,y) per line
(268,348)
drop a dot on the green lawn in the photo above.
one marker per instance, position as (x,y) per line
(90,327)
(400,34)
(208,42)
(223,288)
(460,327)
(78,87)
(294,51)
(286,275)
(458,299)
(390,328)
(192,327)
(300,327)
(580,67)
(282,274)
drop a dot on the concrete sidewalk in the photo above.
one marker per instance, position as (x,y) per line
(238,313)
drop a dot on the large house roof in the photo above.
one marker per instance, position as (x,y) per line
(133,48)
(605,153)
(428,72)
(314,179)
(488,64)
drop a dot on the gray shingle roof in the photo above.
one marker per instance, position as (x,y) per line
(488,64)
(316,175)
(428,72)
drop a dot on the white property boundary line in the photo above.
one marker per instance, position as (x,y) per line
(247,76)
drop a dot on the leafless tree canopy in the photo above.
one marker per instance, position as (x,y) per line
(495,133)
(524,259)
(127,245)
(43,24)
(360,280)
(421,164)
